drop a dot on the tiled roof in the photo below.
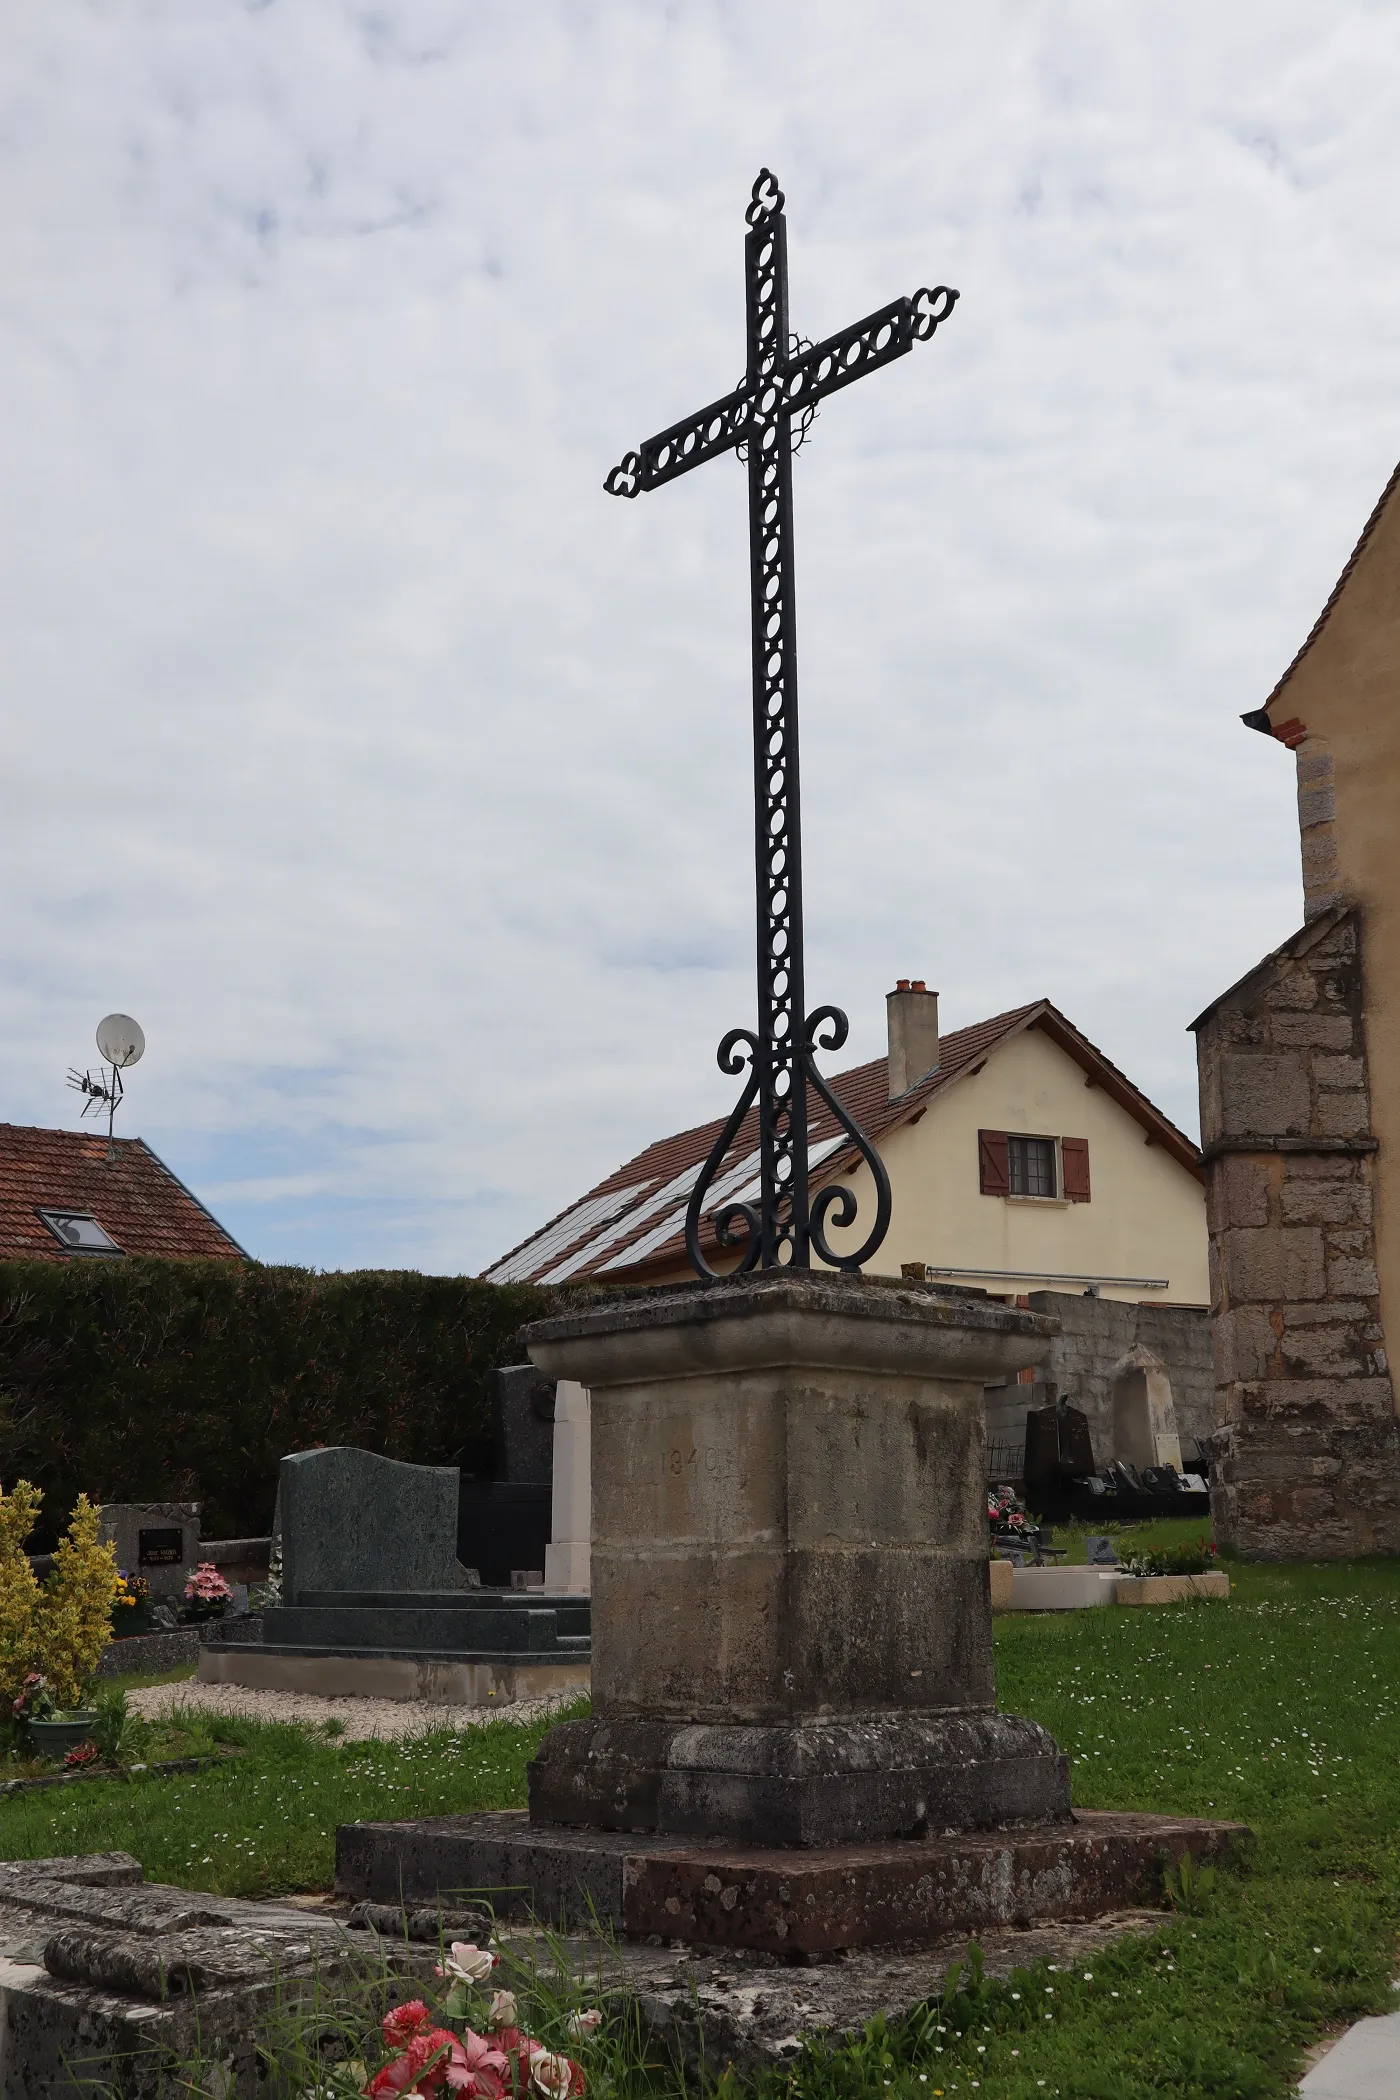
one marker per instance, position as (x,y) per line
(136,1199)
(1340,585)
(633,1223)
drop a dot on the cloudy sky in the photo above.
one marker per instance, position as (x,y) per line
(397,779)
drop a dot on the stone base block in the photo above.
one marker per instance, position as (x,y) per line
(827,1782)
(1169,1589)
(1293,1478)
(438,1680)
(1060,1589)
(810,1902)
(145,1652)
(1000,1572)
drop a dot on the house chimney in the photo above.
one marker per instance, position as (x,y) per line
(912,1014)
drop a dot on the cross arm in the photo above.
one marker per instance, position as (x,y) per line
(890,332)
(685,445)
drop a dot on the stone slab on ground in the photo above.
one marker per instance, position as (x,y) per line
(1363,2065)
(358,1718)
(106,1980)
(1170,1589)
(1060,1589)
(430,1680)
(718,2007)
(810,1901)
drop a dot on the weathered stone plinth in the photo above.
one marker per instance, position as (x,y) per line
(791,1607)
(794,1745)
(811,1901)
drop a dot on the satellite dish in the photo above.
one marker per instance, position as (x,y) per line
(120,1040)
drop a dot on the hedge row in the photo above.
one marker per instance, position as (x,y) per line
(180,1380)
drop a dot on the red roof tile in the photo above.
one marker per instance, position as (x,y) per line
(592,1238)
(135,1198)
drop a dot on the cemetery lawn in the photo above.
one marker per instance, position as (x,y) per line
(1279,1708)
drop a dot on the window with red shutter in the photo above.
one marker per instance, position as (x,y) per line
(1074,1159)
(993,1163)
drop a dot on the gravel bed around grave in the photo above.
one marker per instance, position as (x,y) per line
(361,1717)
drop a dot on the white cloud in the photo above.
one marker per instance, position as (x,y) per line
(397,779)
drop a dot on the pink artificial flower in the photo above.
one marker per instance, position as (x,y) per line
(503,2009)
(466,1963)
(582,2024)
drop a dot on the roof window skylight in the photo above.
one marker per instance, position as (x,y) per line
(79,1232)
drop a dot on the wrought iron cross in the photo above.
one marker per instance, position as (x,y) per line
(782,385)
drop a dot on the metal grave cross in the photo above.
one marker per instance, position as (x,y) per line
(784,382)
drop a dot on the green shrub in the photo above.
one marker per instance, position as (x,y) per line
(150,1380)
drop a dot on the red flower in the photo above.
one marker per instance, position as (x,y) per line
(404,2022)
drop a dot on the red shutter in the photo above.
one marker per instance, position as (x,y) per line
(1074,1155)
(993,1163)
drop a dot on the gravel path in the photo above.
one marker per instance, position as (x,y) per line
(361,1717)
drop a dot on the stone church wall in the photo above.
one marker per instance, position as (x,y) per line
(1307,1447)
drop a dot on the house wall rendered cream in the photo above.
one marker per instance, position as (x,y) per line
(1146,1213)
(1145,1217)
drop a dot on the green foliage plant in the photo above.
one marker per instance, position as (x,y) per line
(57,1631)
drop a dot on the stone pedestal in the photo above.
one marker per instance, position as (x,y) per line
(794,1745)
(792,1636)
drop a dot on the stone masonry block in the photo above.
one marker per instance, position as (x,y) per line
(1343,1115)
(1313,1202)
(1319,853)
(1244,1342)
(1298,988)
(1313,766)
(1321,1312)
(1352,1273)
(1264,1093)
(1316,806)
(1313,1404)
(1321,1351)
(1272,1263)
(1314,1031)
(1338,1072)
(1237,1193)
(1337,946)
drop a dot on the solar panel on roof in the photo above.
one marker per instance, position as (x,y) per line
(736,1186)
(517,1267)
(679,1185)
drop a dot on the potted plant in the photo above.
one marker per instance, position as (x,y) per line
(52,1730)
(207,1595)
(131,1607)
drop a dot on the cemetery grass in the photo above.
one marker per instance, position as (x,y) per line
(1279,1708)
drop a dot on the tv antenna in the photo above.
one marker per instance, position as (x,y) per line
(122,1043)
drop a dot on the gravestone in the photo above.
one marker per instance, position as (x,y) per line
(352,1520)
(158,1541)
(1144,1417)
(1058,1452)
(524,1425)
(1100,1553)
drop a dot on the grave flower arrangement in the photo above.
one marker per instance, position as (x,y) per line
(131,1607)
(34,1700)
(207,1595)
(441,2052)
(1008,1517)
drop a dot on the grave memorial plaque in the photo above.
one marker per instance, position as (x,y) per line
(160,1549)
